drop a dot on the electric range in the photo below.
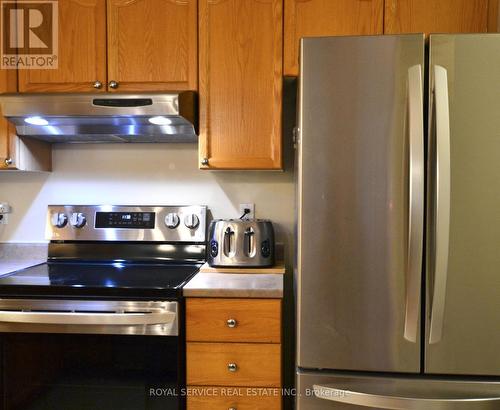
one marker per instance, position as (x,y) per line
(102,320)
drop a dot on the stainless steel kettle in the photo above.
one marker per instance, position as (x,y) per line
(241,243)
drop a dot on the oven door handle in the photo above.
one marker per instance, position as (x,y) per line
(96,319)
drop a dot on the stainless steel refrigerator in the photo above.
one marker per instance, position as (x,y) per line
(398,202)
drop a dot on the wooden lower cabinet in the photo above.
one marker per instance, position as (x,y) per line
(233,320)
(254,364)
(224,398)
(232,362)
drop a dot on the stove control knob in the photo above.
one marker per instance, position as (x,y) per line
(59,220)
(77,220)
(191,221)
(172,220)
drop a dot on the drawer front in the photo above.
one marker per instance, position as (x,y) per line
(233,364)
(240,398)
(233,320)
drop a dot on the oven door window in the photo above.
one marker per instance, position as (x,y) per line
(90,372)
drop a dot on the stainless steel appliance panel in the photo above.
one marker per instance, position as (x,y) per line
(171,224)
(106,117)
(334,391)
(241,242)
(153,318)
(463,328)
(360,203)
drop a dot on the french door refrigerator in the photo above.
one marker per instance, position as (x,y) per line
(398,248)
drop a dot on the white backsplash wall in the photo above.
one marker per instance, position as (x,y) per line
(140,174)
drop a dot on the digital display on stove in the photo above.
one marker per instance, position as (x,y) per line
(128,220)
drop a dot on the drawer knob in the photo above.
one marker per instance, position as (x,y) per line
(113,84)
(231,408)
(232,367)
(231,323)
(8,161)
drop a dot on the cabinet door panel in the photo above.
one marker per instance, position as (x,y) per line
(256,320)
(257,364)
(230,397)
(240,83)
(152,44)
(315,18)
(436,16)
(82,51)
(16,153)
(8,83)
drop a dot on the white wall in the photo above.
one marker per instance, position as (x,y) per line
(140,174)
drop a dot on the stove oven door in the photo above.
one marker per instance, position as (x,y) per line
(90,355)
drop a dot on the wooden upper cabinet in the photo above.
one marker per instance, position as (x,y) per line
(315,18)
(17,153)
(7,84)
(152,44)
(436,16)
(240,83)
(81,51)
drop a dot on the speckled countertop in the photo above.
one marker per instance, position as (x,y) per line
(16,256)
(235,285)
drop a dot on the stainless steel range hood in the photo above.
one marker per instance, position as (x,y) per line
(104,117)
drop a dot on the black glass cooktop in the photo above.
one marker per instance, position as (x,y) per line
(99,279)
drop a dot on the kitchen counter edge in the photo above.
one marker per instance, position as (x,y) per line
(237,285)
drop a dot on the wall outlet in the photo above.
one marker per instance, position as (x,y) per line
(251,214)
(5,208)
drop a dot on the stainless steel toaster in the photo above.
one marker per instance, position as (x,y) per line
(241,243)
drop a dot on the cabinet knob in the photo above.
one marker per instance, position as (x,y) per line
(204,161)
(8,161)
(113,85)
(97,85)
(231,323)
(232,367)
(232,408)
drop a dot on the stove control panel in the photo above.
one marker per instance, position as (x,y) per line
(130,220)
(186,223)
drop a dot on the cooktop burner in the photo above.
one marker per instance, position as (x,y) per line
(100,279)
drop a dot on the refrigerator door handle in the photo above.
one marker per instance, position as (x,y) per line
(416,202)
(396,401)
(442,121)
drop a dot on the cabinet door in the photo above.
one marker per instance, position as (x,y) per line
(16,153)
(241,45)
(316,18)
(82,51)
(436,16)
(8,83)
(152,44)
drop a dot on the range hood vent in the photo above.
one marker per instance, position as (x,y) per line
(104,117)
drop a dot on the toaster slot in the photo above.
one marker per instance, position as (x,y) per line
(229,246)
(249,242)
